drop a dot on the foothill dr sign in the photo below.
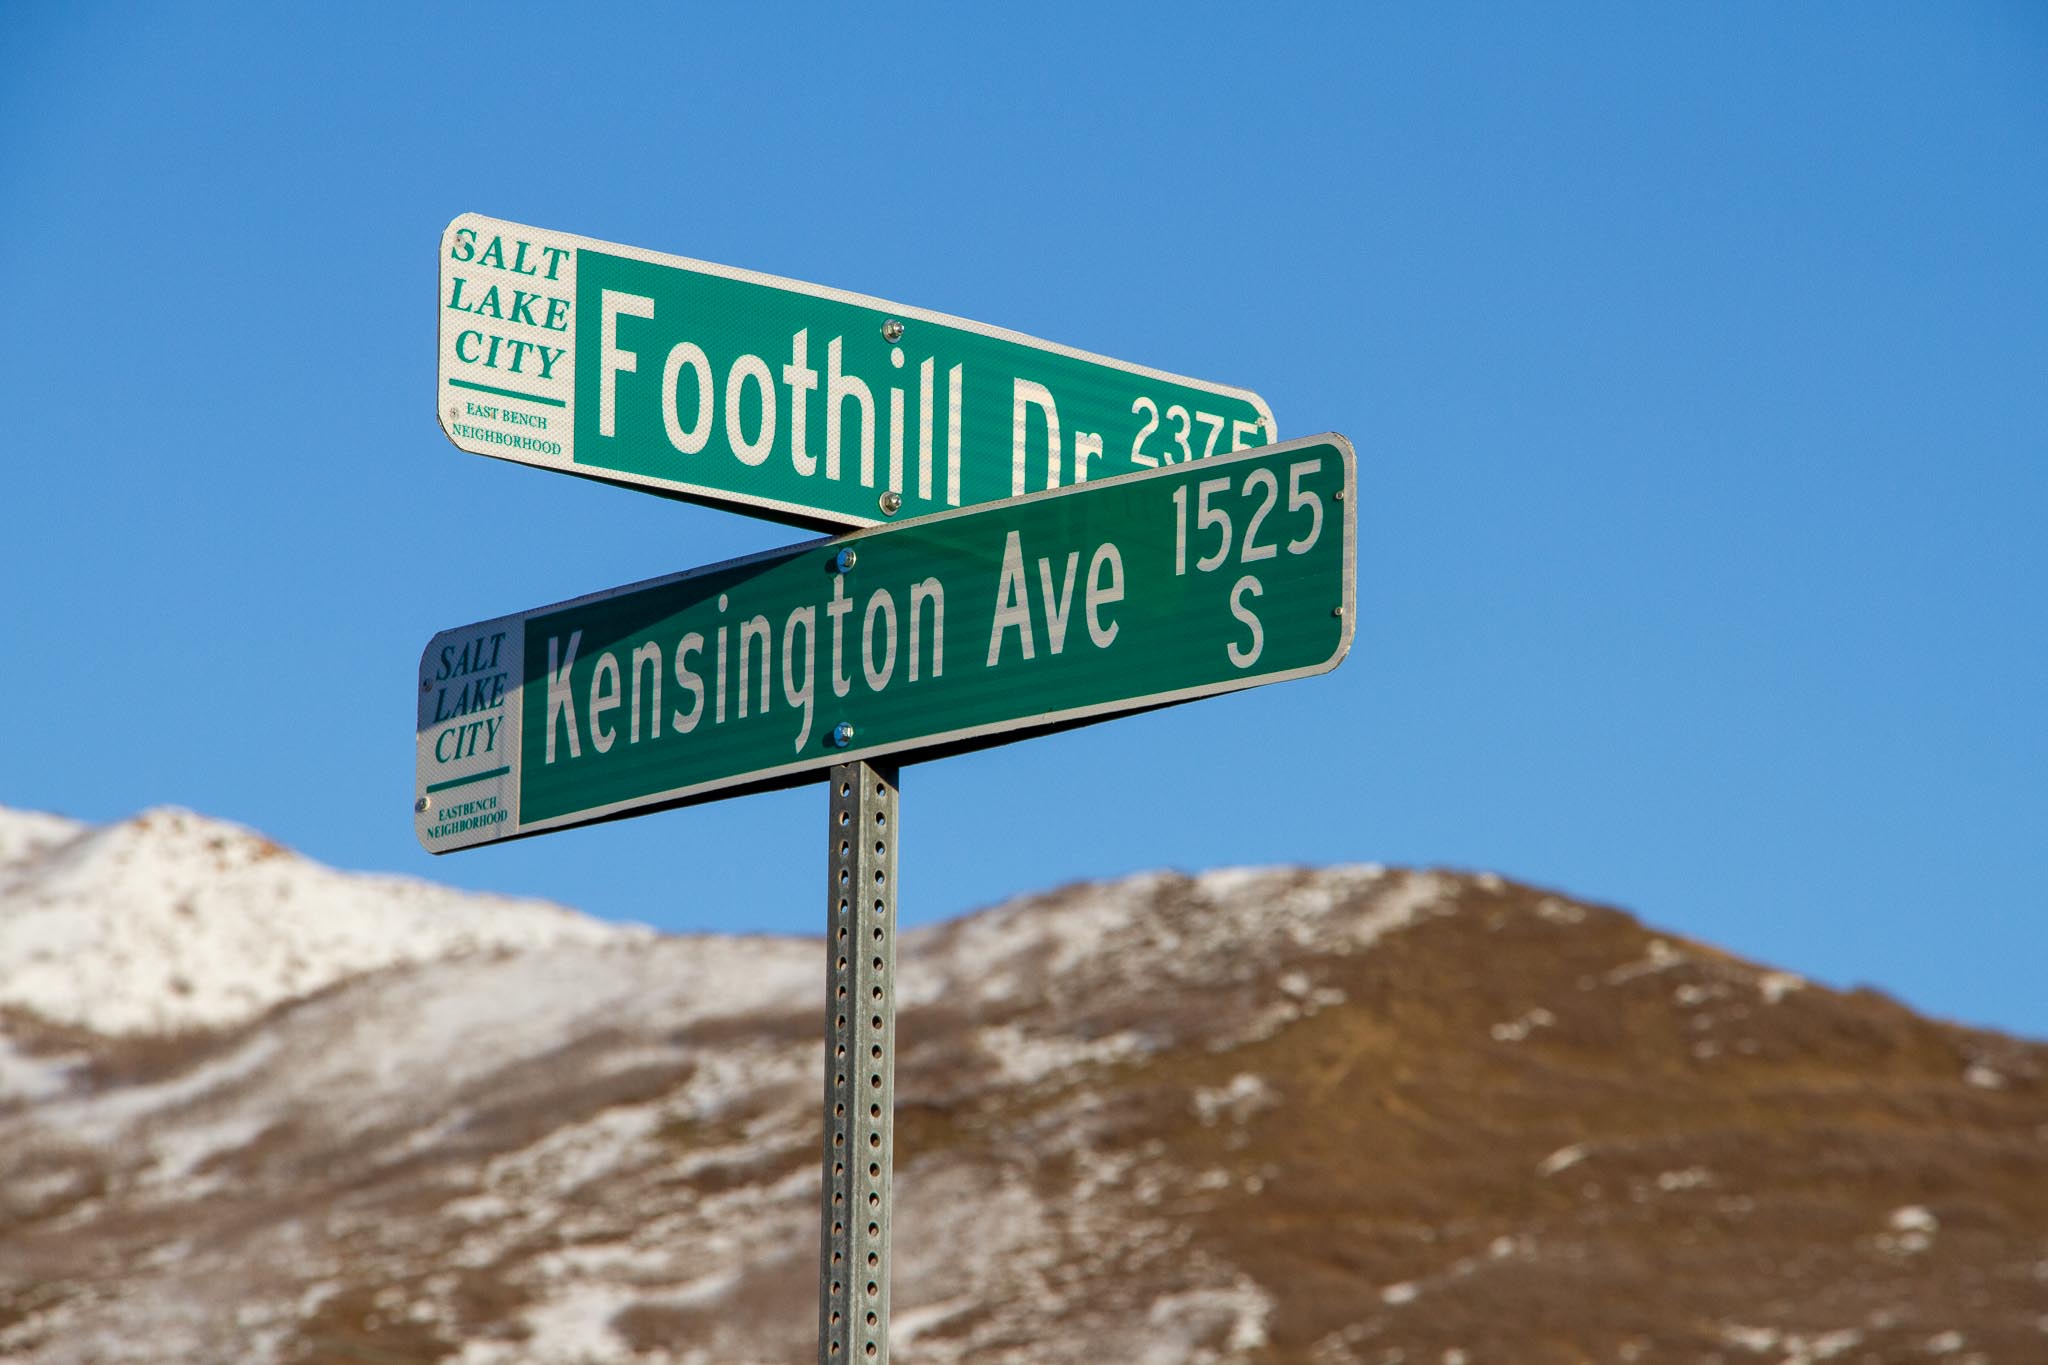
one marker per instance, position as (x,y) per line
(791,401)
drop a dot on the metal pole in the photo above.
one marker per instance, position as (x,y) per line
(860,1067)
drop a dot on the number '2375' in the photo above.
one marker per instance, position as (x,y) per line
(1184,424)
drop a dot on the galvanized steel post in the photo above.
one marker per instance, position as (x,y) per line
(860,1067)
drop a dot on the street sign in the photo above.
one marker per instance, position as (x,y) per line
(952,631)
(790,401)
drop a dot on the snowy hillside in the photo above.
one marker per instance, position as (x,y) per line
(173,921)
(1253,1117)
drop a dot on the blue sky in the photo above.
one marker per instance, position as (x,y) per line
(1695,358)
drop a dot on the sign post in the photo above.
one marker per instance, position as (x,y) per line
(790,401)
(860,1065)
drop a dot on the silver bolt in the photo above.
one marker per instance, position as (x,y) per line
(1340,495)
(420,804)
(842,734)
(892,331)
(844,561)
(1336,611)
(892,503)
(454,413)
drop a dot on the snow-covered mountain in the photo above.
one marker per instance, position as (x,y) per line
(1272,1115)
(171,921)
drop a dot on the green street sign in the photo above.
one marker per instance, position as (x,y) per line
(790,401)
(950,632)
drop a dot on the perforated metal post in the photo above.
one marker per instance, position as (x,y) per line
(860,1067)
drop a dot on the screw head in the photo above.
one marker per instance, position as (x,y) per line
(892,503)
(844,561)
(1339,495)
(1336,611)
(454,413)
(426,684)
(419,804)
(892,331)
(842,734)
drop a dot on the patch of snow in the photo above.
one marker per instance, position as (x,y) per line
(479,1208)
(1081,945)
(573,1323)
(182,1150)
(1096,1171)
(1753,1339)
(1086,930)
(1027,1058)
(30,1192)
(33,1079)
(1245,1096)
(1691,1178)
(1402,906)
(1798,1348)
(618,1260)
(99,1117)
(1944,1343)
(1659,956)
(1560,912)
(907,1325)
(1983,1077)
(571,1157)
(1563,1159)
(1913,1218)
(1775,986)
(1803,1350)
(1233,883)
(1263,1024)
(1179,1323)
(1394,1295)
(1515,1030)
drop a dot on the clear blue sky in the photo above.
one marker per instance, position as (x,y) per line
(1697,358)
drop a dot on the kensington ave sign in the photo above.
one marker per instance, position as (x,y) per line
(791,401)
(952,631)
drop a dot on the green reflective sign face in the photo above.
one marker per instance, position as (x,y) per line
(947,632)
(791,401)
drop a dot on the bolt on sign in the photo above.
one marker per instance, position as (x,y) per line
(953,631)
(791,401)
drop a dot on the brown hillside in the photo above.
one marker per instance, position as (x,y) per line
(1338,1116)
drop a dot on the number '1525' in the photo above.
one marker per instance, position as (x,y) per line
(1304,515)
